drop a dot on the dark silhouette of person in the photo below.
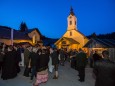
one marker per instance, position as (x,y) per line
(96,57)
(81,61)
(105,71)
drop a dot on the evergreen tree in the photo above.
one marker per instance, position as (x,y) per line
(103,36)
(94,35)
(23,27)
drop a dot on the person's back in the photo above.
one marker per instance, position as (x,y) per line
(44,59)
(9,69)
(96,56)
(34,57)
(26,56)
(54,57)
(42,62)
(81,62)
(105,73)
(81,59)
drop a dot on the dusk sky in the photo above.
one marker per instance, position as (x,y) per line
(50,16)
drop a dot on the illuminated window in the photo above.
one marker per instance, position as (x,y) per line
(70,22)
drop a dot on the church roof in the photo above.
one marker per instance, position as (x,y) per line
(82,34)
(5,33)
(69,39)
(30,30)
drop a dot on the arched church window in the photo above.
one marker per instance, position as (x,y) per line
(75,22)
(70,22)
(70,33)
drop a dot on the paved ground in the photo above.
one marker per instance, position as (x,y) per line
(67,77)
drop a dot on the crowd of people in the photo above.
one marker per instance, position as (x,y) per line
(38,61)
(78,60)
(103,68)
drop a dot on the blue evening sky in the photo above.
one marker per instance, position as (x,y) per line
(50,16)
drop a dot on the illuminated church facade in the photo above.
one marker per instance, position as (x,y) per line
(72,39)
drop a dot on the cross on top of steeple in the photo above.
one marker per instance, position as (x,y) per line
(71,11)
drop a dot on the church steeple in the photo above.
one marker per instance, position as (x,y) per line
(72,20)
(71,11)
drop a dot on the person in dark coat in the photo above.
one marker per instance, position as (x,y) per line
(91,63)
(42,68)
(104,71)
(55,62)
(26,61)
(42,62)
(34,56)
(3,50)
(19,53)
(17,58)
(73,58)
(62,56)
(96,57)
(81,62)
(9,69)
(1,58)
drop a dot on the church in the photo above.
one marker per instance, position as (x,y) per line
(72,39)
